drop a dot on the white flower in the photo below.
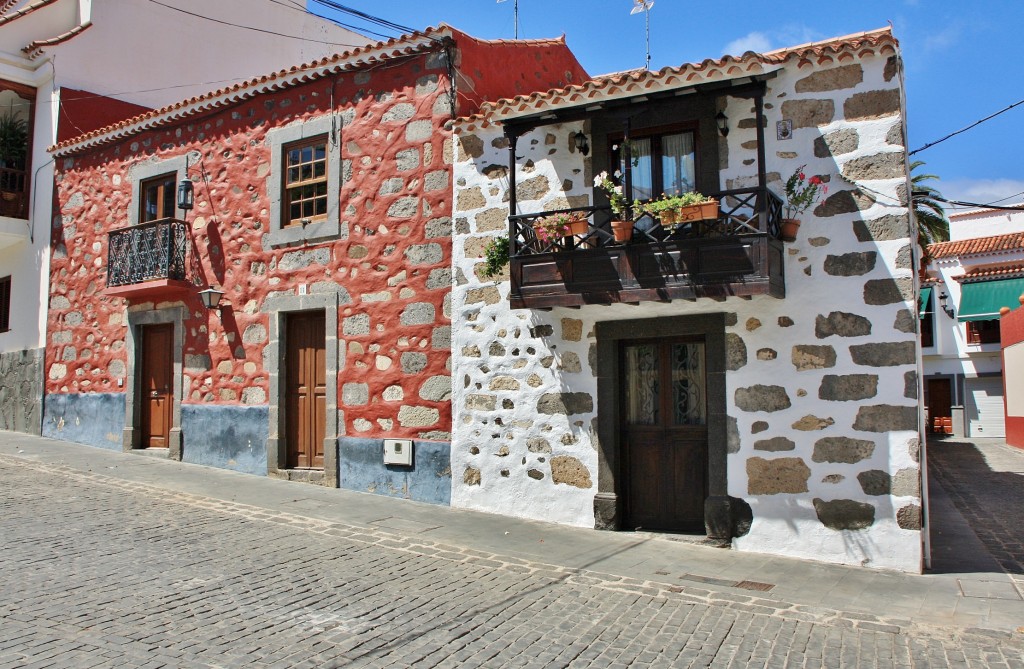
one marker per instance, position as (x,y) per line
(618,174)
(618,190)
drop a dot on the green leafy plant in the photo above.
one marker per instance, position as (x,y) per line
(13,139)
(495,257)
(802,192)
(673,202)
(616,199)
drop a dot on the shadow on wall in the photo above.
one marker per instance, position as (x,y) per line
(93,419)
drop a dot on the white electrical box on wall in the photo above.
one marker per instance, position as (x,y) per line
(398,452)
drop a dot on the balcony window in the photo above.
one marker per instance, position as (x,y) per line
(983,332)
(17,103)
(661,163)
(157,198)
(305,182)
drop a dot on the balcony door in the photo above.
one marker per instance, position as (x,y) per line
(664,411)
(306,390)
(157,385)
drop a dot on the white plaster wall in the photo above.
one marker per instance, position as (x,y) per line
(984,223)
(783,523)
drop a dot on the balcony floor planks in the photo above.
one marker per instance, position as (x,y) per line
(691,269)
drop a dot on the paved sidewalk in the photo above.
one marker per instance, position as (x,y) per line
(980,599)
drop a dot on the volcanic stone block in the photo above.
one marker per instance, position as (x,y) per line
(842,450)
(848,388)
(875,482)
(884,354)
(807,357)
(841,324)
(851,264)
(735,352)
(844,514)
(777,476)
(834,79)
(570,471)
(565,403)
(775,444)
(762,398)
(885,418)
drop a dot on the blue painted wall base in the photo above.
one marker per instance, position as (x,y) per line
(93,419)
(361,467)
(226,436)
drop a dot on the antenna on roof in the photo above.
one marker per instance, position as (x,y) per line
(643,6)
(515,14)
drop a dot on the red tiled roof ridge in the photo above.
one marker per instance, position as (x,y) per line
(241,90)
(59,39)
(982,210)
(748,62)
(987,272)
(7,17)
(1013,241)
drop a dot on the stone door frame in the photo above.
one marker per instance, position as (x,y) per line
(608,502)
(131,435)
(279,307)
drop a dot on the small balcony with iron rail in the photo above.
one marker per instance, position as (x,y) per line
(149,259)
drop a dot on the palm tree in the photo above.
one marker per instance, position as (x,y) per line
(932,224)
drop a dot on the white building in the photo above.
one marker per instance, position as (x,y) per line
(968,280)
(58,59)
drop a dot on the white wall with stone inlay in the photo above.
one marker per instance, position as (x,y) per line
(821,386)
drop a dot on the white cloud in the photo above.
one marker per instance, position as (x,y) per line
(943,39)
(982,191)
(784,36)
(755,41)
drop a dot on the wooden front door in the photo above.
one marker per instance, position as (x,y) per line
(939,401)
(305,390)
(664,434)
(157,384)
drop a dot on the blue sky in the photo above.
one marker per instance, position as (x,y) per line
(963,59)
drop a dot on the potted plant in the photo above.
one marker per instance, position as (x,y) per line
(622,225)
(495,257)
(555,227)
(683,208)
(801,194)
(13,149)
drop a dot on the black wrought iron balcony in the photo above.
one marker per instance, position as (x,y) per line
(13,200)
(737,253)
(153,251)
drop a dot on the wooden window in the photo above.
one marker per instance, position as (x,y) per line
(983,332)
(305,182)
(663,161)
(158,198)
(5,304)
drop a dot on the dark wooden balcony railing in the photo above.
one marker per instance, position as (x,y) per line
(13,202)
(739,253)
(147,252)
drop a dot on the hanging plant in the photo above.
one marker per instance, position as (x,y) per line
(13,139)
(495,257)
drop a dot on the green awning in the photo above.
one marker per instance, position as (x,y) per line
(982,301)
(922,301)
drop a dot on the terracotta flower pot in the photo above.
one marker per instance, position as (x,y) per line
(622,230)
(790,226)
(706,211)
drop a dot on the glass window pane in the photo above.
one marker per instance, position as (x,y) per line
(677,166)
(641,377)
(643,174)
(307,154)
(689,401)
(295,211)
(321,151)
(319,169)
(293,156)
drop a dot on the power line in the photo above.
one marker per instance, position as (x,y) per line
(978,205)
(291,4)
(976,123)
(259,30)
(370,18)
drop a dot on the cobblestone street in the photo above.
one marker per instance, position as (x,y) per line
(102,572)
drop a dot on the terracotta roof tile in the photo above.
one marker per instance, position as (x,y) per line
(981,210)
(1013,271)
(9,16)
(637,81)
(962,247)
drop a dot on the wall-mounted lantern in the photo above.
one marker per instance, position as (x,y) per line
(943,298)
(722,121)
(211,297)
(186,197)
(581,142)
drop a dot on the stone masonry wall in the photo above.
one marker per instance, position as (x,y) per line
(21,391)
(822,386)
(391,265)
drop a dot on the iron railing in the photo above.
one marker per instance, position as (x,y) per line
(12,193)
(147,252)
(742,211)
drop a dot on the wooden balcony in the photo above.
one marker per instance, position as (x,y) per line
(148,260)
(13,194)
(737,254)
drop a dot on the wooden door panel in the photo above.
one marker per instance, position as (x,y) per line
(156,385)
(305,390)
(665,436)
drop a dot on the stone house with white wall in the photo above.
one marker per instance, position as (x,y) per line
(707,378)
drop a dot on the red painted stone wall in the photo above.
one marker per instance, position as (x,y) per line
(1011,331)
(224,356)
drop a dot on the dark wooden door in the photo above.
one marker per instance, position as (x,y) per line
(305,390)
(940,401)
(157,384)
(664,434)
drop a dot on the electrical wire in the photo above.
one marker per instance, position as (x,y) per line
(291,4)
(977,205)
(961,130)
(259,30)
(375,20)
